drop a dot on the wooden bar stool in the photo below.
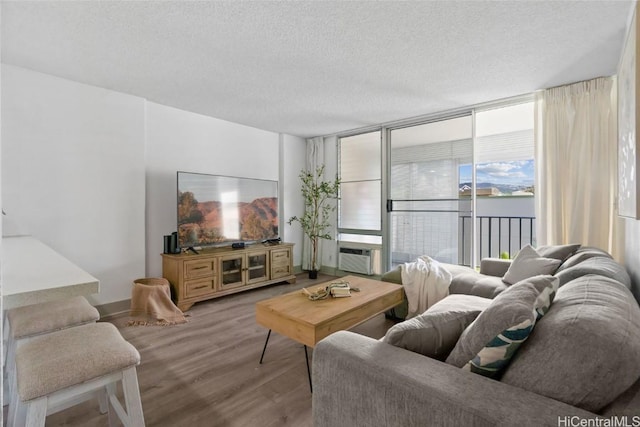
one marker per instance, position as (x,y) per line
(26,322)
(61,369)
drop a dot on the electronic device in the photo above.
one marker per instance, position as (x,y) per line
(217,210)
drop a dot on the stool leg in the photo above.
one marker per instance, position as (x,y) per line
(17,413)
(103,400)
(10,367)
(109,391)
(132,397)
(36,413)
(15,403)
(5,335)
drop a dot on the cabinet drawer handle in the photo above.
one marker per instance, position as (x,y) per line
(199,268)
(201,287)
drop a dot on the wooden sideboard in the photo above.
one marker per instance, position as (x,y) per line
(215,272)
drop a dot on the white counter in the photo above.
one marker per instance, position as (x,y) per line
(32,272)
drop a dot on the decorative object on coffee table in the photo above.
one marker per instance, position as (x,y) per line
(315,222)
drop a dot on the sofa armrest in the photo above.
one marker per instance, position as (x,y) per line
(358,381)
(494,266)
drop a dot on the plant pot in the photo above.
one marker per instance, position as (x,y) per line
(313,274)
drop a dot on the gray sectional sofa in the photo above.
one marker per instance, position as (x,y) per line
(581,360)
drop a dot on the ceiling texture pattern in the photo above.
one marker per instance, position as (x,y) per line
(311,68)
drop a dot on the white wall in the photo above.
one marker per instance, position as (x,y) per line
(330,247)
(92,172)
(180,140)
(73,174)
(632,254)
(293,151)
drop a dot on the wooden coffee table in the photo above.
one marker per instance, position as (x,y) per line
(307,322)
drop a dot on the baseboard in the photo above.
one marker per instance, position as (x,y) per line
(114,308)
(341,273)
(331,271)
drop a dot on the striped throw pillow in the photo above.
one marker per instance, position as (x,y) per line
(495,356)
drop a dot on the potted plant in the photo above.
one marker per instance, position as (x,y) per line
(316,222)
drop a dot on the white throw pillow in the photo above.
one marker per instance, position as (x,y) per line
(529,263)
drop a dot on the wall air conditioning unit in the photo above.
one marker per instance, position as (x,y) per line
(355,260)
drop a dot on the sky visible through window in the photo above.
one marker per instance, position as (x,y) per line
(505,176)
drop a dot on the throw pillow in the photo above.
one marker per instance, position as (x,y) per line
(435,332)
(529,263)
(559,252)
(489,343)
(547,286)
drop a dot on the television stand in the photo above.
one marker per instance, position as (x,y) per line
(214,272)
(192,249)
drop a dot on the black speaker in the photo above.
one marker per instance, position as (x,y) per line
(168,249)
(238,245)
(174,243)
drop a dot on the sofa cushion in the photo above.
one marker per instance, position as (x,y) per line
(435,332)
(477,284)
(581,255)
(456,269)
(494,266)
(487,345)
(529,263)
(400,312)
(393,276)
(625,404)
(600,265)
(559,252)
(585,350)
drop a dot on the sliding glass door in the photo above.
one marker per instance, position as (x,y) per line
(429,210)
(457,188)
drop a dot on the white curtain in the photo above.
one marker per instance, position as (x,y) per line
(315,158)
(576,166)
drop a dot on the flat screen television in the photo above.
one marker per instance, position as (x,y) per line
(216,210)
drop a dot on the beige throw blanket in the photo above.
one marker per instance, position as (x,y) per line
(151,304)
(425,282)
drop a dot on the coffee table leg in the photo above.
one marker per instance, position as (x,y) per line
(306,357)
(265,346)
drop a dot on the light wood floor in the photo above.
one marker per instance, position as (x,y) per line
(206,372)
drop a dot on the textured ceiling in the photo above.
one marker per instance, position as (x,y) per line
(316,67)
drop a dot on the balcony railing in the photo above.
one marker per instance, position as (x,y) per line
(441,228)
(496,234)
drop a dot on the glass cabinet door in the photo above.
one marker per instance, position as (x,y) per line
(257,267)
(233,270)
